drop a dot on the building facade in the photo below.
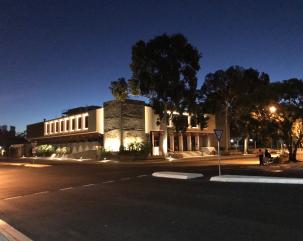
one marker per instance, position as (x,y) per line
(119,124)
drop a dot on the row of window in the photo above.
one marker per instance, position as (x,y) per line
(67,125)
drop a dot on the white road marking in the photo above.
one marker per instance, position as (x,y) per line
(67,188)
(88,185)
(9,198)
(38,193)
(144,175)
(111,181)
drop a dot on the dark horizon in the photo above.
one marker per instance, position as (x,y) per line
(58,55)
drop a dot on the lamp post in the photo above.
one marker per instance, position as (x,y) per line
(272,109)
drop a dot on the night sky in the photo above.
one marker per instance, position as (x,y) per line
(60,54)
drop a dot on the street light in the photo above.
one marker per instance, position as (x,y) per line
(272,109)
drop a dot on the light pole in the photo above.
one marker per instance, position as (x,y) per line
(272,109)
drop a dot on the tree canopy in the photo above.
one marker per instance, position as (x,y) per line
(164,70)
(119,89)
(235,92)
(288,116)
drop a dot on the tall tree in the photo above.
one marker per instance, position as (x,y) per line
(288,116)
(119,90)
(235,92)
(164,70)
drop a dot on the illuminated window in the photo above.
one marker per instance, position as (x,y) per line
(79,123)
(57,126)
(67,125)
(86,121)
(62,126)
(73,124)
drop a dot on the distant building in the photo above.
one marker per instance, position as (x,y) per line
(84,129)
(3,128)
(12,129)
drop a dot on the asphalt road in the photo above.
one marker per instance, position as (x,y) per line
(124,202)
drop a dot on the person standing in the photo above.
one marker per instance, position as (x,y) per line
(267,156)
(260,154)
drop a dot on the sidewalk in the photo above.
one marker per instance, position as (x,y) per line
(58,161)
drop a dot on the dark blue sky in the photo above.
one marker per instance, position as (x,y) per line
(61,54)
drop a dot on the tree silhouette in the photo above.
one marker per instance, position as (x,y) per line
(235,92)
(119,89)
(164,70)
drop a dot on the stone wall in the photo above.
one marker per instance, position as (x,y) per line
(128,116)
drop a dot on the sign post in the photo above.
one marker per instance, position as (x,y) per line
(218,134)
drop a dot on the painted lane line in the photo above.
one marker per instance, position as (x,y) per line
(88,185)
(67,188)
(144,175)
(9,198)
(125,179)
(111,181)
(7,232)
(38,193)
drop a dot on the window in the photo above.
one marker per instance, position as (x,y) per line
(193,121)
(79,123)
(62,126)
(57,126)
(73,124)
(47,128)
(67,125)
(86,122)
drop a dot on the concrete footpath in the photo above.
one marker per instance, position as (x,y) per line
(55,161)
(8,233)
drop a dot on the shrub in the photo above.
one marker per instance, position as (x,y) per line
(137,150)
(45,150)
(103,153)
(63,150)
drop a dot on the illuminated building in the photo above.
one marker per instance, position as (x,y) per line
(119,124)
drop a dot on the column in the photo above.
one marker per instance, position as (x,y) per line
(65,125)
(77,123)
(152,142)
(83,121)
(208,140)
(189,147)
(189,121)
(170,123)
(197,139)
(45,128)
(70,123)
(180,142)
(161,143)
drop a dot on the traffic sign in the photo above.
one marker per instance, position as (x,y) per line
(218,133)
